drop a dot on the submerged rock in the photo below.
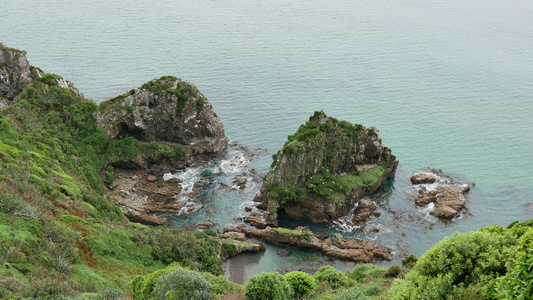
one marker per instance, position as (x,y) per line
(15,74)
(447,195)
(325,168)
(168,111)
(303,238)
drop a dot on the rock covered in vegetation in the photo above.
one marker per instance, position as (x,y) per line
(235,243)
(303,238)
(447,195)
(325,168)
(15,74)
(166,110)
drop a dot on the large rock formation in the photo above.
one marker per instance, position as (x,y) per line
(324,169)
(167,110)
(303,238)
(444,192)
(15,74)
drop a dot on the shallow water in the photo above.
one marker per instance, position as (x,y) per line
(447,83)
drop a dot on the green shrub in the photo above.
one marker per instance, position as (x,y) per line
(334,277)
(393,271)
(454,264)
(361,272)
(109,175)
(182,284)
(268,286)
(221,285)
(518,282)
(302,283)
(230,248)
(410,261)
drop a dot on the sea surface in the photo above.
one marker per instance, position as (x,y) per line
(448,83)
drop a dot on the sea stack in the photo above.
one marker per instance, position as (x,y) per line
(324,169)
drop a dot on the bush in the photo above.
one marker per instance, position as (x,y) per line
(456,263)
(393,271)
(302,283)
(334,277)
(410,261)
(182,284)
(518,282)
(268,286)
(361,272)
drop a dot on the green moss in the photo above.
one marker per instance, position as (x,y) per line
(306,235)
(285,194)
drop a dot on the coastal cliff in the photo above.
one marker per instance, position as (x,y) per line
(324,169)
(169,111)
(15,74)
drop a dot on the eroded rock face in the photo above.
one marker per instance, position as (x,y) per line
(15,74)
(303,238)
(447,195)
(324,169)
(165,110)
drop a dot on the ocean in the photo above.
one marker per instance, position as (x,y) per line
(447,83)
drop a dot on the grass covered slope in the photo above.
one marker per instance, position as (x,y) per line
(59,234)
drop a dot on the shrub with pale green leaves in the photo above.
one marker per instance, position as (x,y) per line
(456,263)
(268,286)
(182,284)
(334,277)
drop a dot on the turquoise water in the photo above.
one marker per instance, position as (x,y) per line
(447,83)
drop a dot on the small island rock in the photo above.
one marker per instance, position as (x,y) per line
(324,169)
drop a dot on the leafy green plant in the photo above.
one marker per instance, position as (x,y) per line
(334,277)
(455,263)
(410,261)
(518,282)
(268,286)
(393,271)
(302,283)
(364,271)
(182,284)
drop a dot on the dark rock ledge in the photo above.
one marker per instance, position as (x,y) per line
(335,246)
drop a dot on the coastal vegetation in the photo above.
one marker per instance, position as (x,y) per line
(62,238)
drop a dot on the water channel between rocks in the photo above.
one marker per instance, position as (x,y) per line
(229,184)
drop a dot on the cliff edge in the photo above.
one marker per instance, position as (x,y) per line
(15,74)
(324,169)
(166,110)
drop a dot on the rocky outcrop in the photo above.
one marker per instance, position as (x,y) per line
(15,74)
(303,238)
(236,243)
(167,110)
(324,169)
(447,195)
(138,197)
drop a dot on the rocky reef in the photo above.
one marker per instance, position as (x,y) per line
(443,192)
(169,111)
(15,74)
(303,238)
(324,169)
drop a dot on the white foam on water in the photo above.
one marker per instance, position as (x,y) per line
(236,162)
(345,223)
